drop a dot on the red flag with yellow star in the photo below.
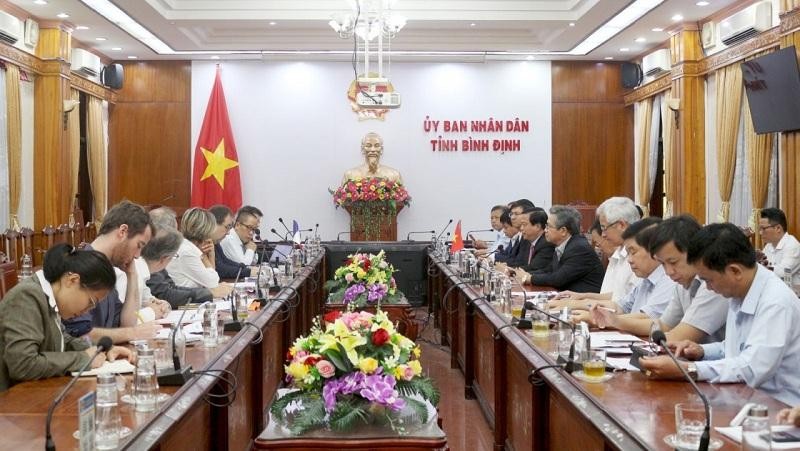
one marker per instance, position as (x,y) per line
(216,165)
(458,240)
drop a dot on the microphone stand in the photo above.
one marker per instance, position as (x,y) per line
(103,345)
(408,237)
(234,325)
(569,367)
(339,235)
(288,232)
(178,375)
(442,232)
(659,337)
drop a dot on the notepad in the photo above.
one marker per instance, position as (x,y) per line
(175,316)
(735,434)
(120,366)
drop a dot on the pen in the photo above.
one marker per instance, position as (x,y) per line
(138,315)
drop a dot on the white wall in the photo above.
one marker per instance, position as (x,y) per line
(295,135)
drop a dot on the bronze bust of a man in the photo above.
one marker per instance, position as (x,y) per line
(372,149)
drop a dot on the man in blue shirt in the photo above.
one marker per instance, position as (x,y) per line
(762,333)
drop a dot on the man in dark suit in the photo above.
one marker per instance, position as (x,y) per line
(503,255)
(575,265)
(537,254)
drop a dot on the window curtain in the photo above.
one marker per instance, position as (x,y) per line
(655,126)
(644,117)
(74,122)
(5,211)
(741,207)
(728,104)
(788,5)
(96,146)
(14,139)
(670,175)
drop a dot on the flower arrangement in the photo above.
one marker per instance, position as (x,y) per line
(371,189)
(364,280)
(355,370)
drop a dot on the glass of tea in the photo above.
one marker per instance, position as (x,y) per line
(595,365)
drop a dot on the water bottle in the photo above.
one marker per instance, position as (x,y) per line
(210,332)
(107,419)
(27,267)
(507,297)
(265,279)
(755,425)
(787,278)
(145,384)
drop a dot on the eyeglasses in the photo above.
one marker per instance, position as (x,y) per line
(603,228)
(551,226)
(763,228)
(251,228)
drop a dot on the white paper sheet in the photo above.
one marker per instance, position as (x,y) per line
(735,434)
(120,366)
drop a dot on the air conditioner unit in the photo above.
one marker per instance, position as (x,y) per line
(746,23)
(656,63)
(85,62)
(10,28)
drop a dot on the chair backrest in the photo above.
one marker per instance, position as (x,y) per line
(8,278)
(76,236)
(18,243)
(89,232)
(587,214)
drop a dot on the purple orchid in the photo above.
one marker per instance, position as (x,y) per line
(353,292)
(376,292)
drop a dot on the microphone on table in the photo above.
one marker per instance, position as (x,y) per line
(176,376)
(288,232)
(481,230)
(316,229)
(339,235)
(283,238)
(442,232)
(234,325)
(658,337)
(103,345)
(408,237)
(523,323)
(258,278)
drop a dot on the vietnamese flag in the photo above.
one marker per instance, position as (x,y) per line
(458,241)
(215,179)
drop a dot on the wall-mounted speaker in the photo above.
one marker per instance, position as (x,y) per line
(632,75)
(112,76)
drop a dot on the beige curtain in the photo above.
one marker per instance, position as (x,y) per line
(74,123)
(670,175)
(728,102)
(96,147)
(643,122)
(758,149)
(788,5)
(14,138)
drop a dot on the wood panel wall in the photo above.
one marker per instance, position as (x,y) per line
(592,133)
(150,135)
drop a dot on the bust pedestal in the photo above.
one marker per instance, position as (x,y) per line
(373,222)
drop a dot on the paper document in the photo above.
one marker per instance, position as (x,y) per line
(613,339)
(735,434)
(120,366)
(175,315)
(621,363)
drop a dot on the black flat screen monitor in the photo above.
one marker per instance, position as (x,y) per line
(772,83)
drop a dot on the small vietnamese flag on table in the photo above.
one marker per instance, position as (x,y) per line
(216,165)
(458,241)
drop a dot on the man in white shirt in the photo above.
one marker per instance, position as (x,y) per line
(500,238)
(615,215)
(762,334)
(781,249)
(238,245)
(694,312)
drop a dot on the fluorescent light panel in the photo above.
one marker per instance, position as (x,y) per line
(610,29)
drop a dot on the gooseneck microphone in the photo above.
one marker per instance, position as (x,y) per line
(234,325)
(569,367)
(177,376)
(408,237)
(481,230)
(316,229)
(339,235)
(288,232)
(442,232)
(283,238)
(103,345)
(658,337)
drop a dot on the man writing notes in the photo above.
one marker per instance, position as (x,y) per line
(762,334)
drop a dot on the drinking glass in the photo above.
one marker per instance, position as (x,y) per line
(595,365)
(690,421)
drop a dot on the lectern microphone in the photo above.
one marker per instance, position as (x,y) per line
(339,235)
(408,237)
(442,232)
(178,375)
(283,238)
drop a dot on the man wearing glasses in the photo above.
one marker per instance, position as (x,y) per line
(781,248)
(238,245)
(226,268)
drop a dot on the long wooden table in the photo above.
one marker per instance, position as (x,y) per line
(553,410)
(187,420)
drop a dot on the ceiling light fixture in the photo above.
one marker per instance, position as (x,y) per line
(472,24)
(530,58)
(572,24)
(640,40)
(214,57)
(81,27)
(40,2)
(609,58)
(624,49)
(273,23)
(62,15)
(677,18)
(131,57)
(100,39)
(657,30)
(702,3)
(116,49)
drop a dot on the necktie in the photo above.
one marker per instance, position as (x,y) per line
(530,254)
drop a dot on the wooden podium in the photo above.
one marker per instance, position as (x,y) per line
(375,222)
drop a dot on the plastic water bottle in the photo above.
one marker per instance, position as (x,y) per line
(27,267)
(210,332)
(754,427)
(107,419)
(145,384)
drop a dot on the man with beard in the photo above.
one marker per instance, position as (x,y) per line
(125,230)
(372,149)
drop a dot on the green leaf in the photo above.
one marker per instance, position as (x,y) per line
(347,415)
(422,386)
(312,416)
(339,360)
(278,408)
(419,409)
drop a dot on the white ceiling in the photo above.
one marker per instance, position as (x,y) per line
(433,25)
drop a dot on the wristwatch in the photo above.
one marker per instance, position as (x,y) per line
(691,368)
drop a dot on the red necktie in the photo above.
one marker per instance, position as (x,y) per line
(530,254)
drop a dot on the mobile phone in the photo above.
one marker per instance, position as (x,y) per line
(783,436)
(639,352)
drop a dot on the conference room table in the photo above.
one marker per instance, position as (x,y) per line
(196,415)
(552,409)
